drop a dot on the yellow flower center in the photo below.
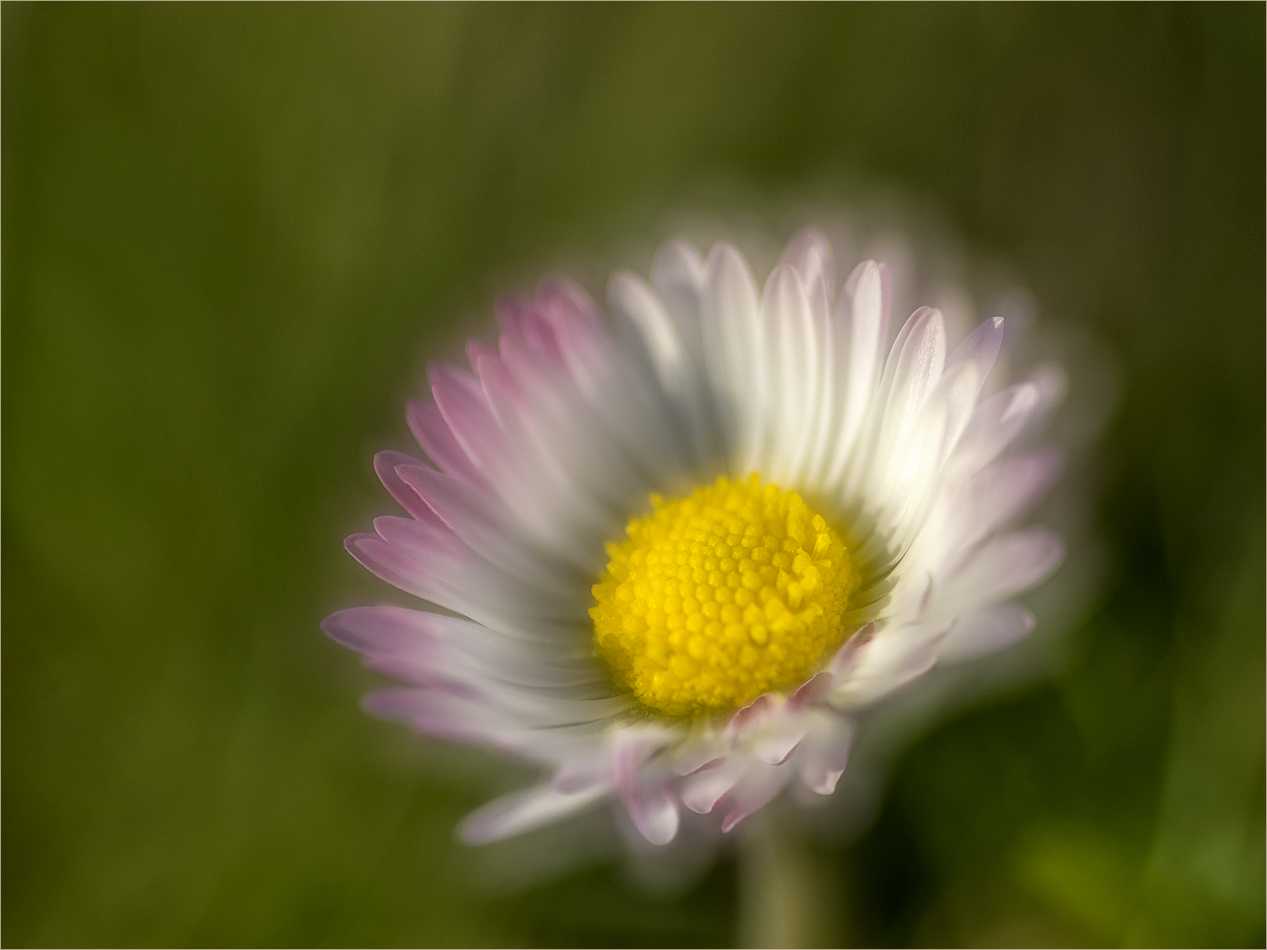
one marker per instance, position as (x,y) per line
(718,597)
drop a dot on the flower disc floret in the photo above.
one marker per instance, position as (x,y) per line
(715,598)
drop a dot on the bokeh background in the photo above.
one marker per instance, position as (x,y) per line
(231,236)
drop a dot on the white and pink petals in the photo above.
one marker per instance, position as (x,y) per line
(454,712)
(986,630)
(810,253)
(441,713)
(793,365)
(534,443)
(823,755)
(704,747)
(436,438)
(848,656)
(568,432)
(756,788)
(385,465)
(736,360)
(544,452)
(965,375)
(625,401)
(593,766)
(451,586)
(997,495)
(887,661)
(531,808)
(455,650)
(862,315)
(913,369)
(1001,568)
(980,348)
(679,276)
(705,789)
(813,692)
(998,420)
(645,791)
(638,304)
(768,728)
(521,320)
(470,419)
(441,556)
(486,526)
(652,332)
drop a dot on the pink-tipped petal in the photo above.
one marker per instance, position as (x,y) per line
(824,755)
(980,347)
(385,464)
(774,745)
(890,660)
(646,793)
(758,789)
(700,752)
(381,559)
(812,692)
(752,715)
(488,528)
(702,791)
(433,434)
(810,253)
(847,656)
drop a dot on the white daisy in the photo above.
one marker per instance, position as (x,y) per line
(677,555)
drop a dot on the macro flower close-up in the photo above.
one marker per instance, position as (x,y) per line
(633,475)
(687,546)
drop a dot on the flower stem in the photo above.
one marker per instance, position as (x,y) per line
(788,893)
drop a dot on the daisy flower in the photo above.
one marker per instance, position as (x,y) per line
(672,557)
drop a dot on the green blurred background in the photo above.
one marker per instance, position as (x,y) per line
(231,235)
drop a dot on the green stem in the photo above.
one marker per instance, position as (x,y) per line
(788,892)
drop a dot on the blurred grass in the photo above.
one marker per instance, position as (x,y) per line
(231,233)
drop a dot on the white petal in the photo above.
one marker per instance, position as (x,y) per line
(444,559)
(487,526)
(758,787)
(810,253)
(522,811)
(1000,419)
(734,354)
(456,648)
(824,754)
(644,791)
(634,300)
(470,418)
(702,791)
(385,468)
(862,318)
(544,452)
(889,660)
(774,745)
(1001,492)
(469,599)
(1000,569)
(436,438)
(986,630)
(793,369)
(913,369)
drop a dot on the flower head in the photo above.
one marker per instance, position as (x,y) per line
(680,553)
